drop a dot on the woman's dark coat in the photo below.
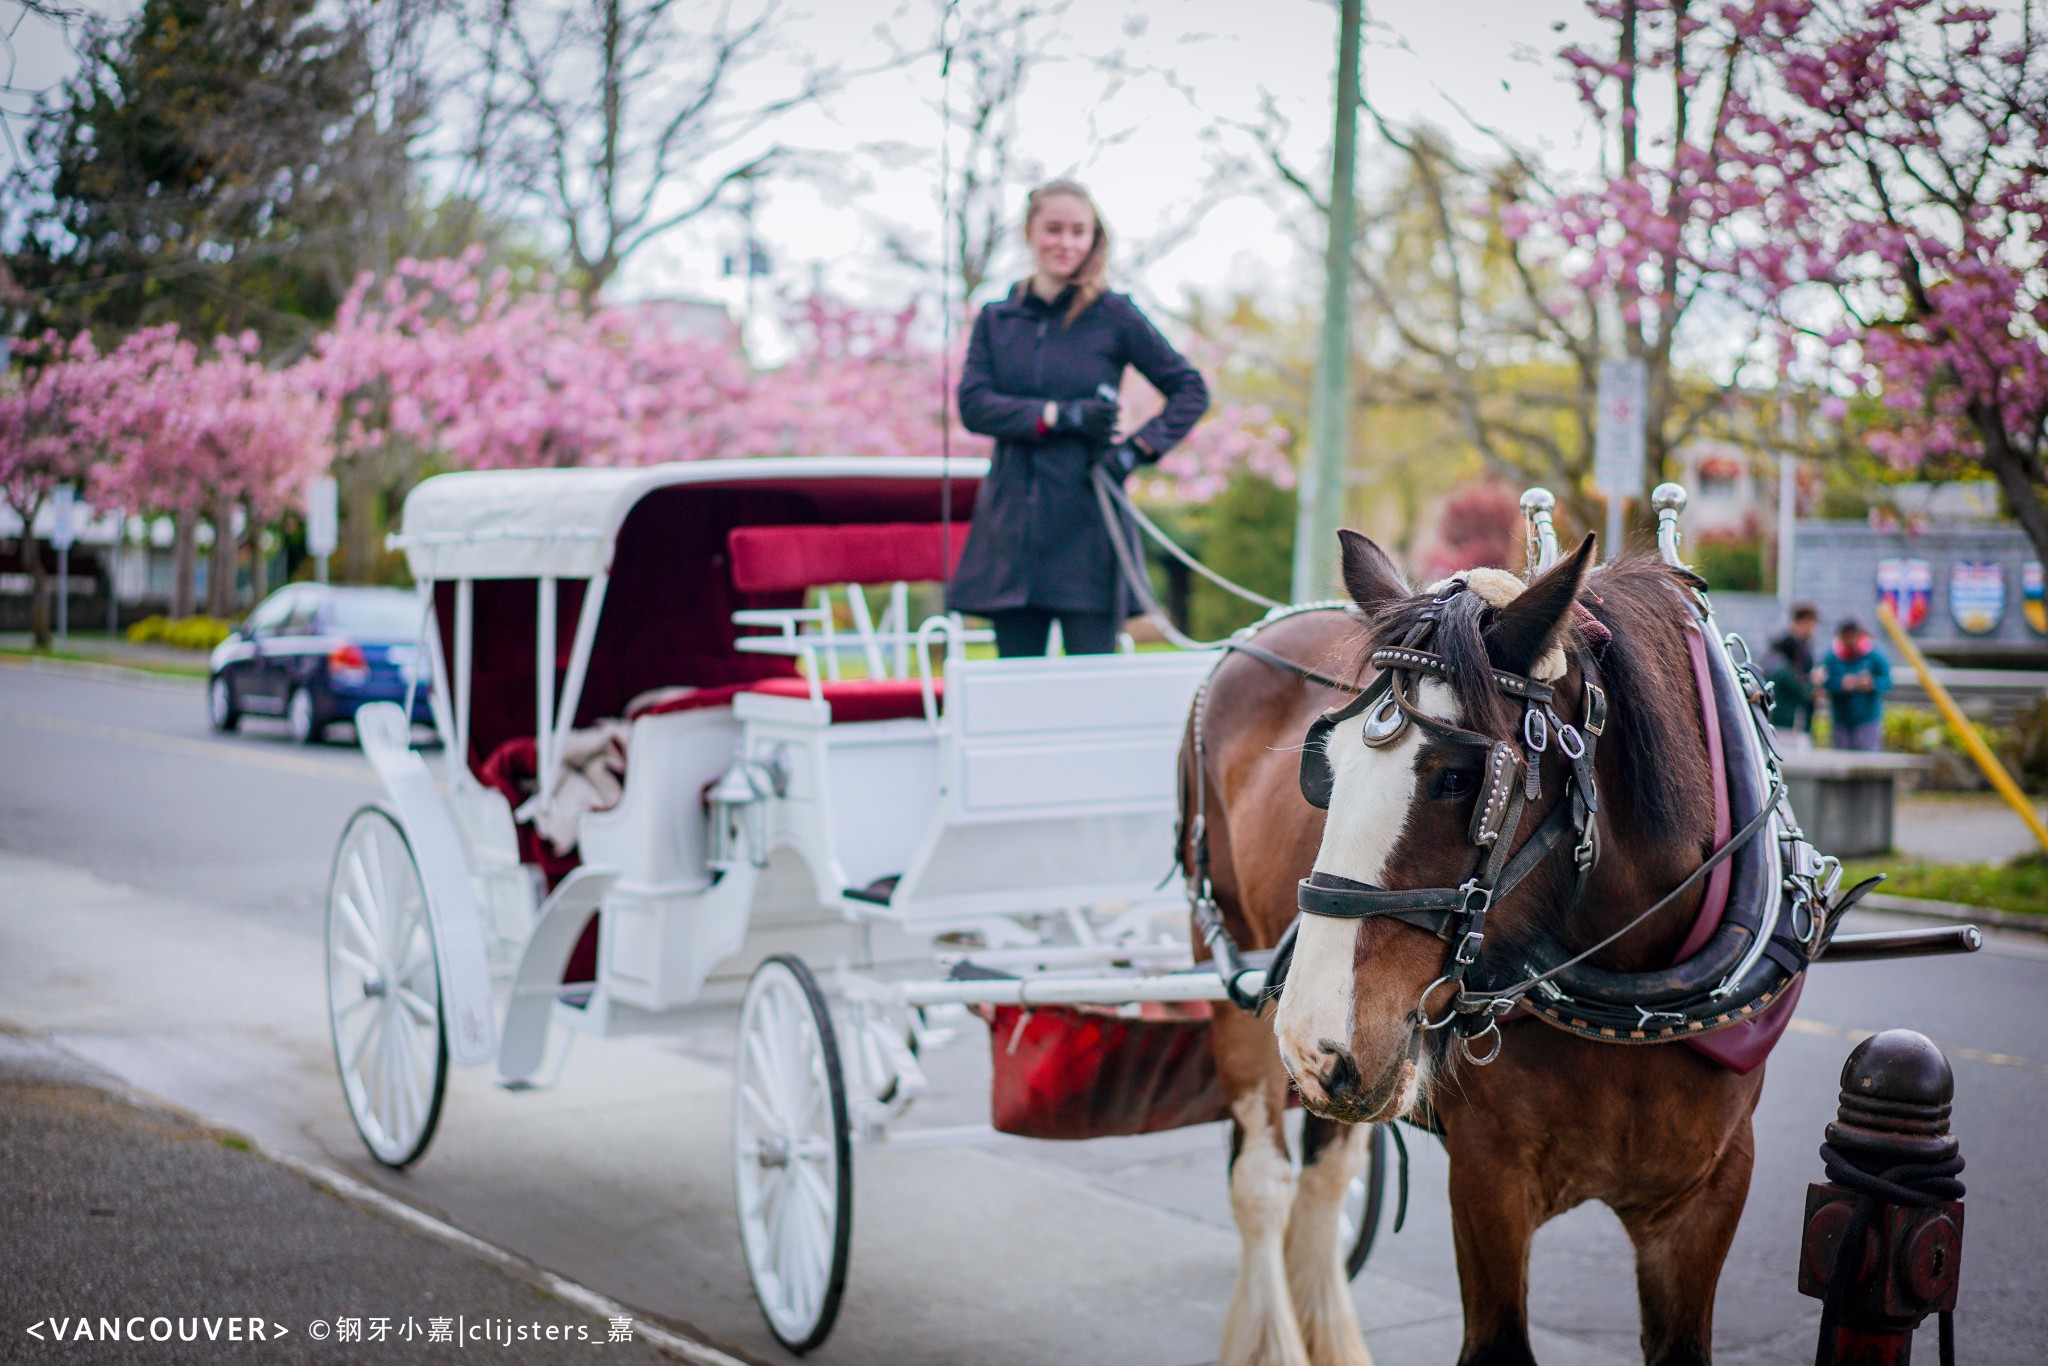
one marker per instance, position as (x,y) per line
(1037,538)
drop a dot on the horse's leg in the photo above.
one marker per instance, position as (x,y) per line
(1260,1329)
(1493,1218)
(1680,1246)
(1331,1155)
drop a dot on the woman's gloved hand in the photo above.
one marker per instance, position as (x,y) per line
(1121,458)
(1089,417)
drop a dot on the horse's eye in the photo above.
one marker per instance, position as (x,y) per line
(1453,783)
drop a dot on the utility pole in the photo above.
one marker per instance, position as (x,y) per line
(1320,493)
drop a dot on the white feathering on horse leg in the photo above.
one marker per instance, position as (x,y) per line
(1261,1329)
(1315,1262)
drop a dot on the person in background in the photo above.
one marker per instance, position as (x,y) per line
(1793,672)
(1857,678)
(1042,374)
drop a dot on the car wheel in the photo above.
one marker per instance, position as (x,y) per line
(298,713)
(220,704)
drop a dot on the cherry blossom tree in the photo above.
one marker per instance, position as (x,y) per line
(1912,141)
(206,435)
(47,438)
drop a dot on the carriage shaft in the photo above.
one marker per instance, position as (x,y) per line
(1070,991)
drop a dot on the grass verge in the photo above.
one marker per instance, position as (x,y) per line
(197,669)
(2021,885)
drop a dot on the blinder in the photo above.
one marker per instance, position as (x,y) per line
(1316,778)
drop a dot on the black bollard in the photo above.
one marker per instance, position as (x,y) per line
(1883,1238)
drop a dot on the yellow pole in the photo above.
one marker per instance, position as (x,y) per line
(1964,731)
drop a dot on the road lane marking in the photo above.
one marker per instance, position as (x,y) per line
(204,749)
(1830,1031)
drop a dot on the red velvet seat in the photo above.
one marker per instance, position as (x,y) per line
(782,559)
(859,699)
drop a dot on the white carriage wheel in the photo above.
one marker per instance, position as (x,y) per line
(792,1153)
(384,991)
(1358,1217)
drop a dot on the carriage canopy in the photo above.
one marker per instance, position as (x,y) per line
(566,523)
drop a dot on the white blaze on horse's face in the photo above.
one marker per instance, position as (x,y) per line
(1372,792)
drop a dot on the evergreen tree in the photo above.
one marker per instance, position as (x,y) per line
(217,165)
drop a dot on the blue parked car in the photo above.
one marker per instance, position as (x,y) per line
(313,653)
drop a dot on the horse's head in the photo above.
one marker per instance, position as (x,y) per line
(1419,782)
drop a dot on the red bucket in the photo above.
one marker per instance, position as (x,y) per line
(1062,1072)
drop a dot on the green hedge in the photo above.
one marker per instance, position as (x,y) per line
(184,633)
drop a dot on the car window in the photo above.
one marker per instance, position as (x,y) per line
(299,622)
(266,619)
(375,614)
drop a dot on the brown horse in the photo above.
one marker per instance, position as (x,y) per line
(1659,1133)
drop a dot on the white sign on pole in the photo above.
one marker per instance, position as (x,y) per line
(63,519)
(323,522)
(1618,434)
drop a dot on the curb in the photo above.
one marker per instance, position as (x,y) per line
(1950,910)
(111,673)
(77,1072)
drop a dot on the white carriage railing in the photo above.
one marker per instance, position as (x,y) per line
(886,646)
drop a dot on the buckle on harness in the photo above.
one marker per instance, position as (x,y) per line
(1471,924)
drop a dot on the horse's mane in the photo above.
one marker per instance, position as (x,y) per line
(1662,782)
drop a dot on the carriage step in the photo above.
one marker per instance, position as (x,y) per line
(877,892)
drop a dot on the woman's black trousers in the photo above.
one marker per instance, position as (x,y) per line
(1025,631)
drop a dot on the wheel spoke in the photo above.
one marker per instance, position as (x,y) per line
(374,923)
(763,1115)
(352,919)
(355,962)
(415,1005)
(757,1200)
(352,1061)
(758,1049)
(814,1185)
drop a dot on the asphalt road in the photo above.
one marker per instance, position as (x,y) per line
(156,1238)
(160,905)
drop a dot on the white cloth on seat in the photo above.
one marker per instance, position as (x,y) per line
(593,777)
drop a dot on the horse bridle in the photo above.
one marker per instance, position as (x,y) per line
(1510,779)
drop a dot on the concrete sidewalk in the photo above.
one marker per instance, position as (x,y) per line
(127,1221)
(1961,827)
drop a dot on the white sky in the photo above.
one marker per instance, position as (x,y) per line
(1144,152)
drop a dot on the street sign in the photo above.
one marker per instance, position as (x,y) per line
(63,521)
(1618,432)
(323,522)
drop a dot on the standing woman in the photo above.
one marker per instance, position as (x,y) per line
(1036,368)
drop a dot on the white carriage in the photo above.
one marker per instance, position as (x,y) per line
(693,739)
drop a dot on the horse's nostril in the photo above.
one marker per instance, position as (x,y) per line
(1343,1078)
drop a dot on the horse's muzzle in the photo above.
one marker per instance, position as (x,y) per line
(1340,1092)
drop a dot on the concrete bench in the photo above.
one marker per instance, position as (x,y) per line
(1844,798)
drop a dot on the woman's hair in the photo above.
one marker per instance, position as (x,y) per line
(1088,278)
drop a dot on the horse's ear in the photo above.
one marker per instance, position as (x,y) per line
(1527,628)
(1369,576)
